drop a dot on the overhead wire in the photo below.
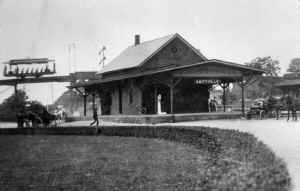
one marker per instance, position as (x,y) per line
(3,91)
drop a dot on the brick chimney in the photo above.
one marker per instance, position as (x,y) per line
(136,39)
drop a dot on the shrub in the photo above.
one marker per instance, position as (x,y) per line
(234,160)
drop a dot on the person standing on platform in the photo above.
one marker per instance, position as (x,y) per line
(289,106)
(213,105)
(95,117)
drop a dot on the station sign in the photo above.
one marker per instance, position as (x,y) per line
(206,81)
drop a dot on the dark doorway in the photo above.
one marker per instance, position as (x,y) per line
(105,99)
(164,91)
(149,98)
(190,97)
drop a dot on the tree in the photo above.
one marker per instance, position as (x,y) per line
(294,65)
(12,105)
(264,85)
(271,66)
(293,69)
(19,102)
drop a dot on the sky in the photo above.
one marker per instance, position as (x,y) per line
(233,30)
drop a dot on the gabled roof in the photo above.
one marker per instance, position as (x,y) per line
(137,55)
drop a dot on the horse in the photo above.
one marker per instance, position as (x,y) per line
(33,119)
(291,106)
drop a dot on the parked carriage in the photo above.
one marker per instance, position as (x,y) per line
(266,108)
(257,108)
(35,115)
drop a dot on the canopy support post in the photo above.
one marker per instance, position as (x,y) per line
(224,86)
(246,80)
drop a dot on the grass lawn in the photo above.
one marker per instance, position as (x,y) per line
(96,163)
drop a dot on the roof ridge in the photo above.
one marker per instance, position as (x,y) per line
(148,41)
(136,55)
(153,44)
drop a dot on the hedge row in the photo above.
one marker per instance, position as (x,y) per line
(233,160)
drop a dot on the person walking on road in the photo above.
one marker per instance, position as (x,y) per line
(95,117)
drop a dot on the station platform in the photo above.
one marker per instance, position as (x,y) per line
(163,118)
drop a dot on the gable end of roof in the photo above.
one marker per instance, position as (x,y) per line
(136,56)
(176,35)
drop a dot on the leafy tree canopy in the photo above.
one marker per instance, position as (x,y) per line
(294,65)
(16,103)
(271,66)
(12,105)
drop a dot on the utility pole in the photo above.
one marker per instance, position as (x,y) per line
(69,58)
(72,57)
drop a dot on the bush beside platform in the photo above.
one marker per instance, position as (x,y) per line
(233,160)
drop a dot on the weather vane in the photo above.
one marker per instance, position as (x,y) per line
(101,53)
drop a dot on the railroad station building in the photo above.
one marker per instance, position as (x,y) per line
(166,75)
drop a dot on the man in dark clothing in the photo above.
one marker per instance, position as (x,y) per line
(20,119)
(294,112)
(289,106)
(95,117)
